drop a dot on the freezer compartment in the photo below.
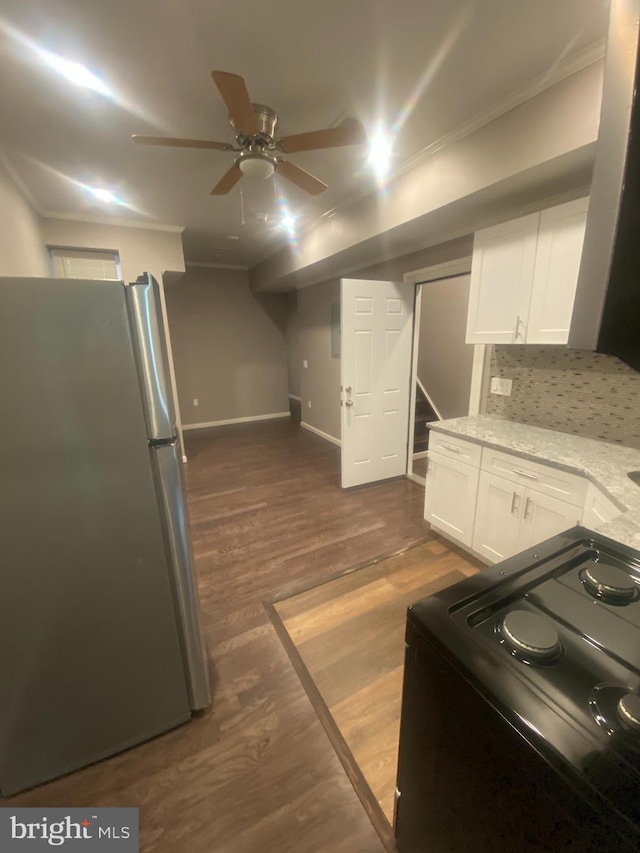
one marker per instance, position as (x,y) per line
(167,469)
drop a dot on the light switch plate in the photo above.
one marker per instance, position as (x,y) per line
(502,387)
(305,363)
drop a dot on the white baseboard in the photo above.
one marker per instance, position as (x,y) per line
(293,397)
(270,417)
(324,435)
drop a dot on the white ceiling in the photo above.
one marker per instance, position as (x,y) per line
(427,66)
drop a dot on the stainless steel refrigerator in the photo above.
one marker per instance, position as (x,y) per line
(100,645)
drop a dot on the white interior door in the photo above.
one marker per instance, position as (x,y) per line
(377,328)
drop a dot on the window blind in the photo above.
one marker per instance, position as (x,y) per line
(77,263)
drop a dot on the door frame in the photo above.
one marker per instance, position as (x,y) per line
(481,355)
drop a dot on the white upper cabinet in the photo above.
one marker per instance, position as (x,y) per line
(501,278)
(560,239)
(524,275)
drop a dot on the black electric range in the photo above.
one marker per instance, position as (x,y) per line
(520,726)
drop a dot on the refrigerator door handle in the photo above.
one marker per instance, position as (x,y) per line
(144,307)
(167,468)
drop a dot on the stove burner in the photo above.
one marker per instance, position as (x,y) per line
(531,635)
(629,710)
(608,583)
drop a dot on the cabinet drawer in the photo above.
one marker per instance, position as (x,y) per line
(455,448)
(542,478)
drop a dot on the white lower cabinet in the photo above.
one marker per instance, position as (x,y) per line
(498,513)
(543,517)
(450,497)
(498,504)
(598,508)
(510,517)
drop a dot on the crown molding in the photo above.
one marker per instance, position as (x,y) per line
(214,266)
(114,221)
(569,66)
(577,62)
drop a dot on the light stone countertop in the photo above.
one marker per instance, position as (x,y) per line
(603,463)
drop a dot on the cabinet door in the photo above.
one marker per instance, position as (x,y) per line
(544,516)
(450,497)
(501,279)
(598,508)
(560,239)
(497,517)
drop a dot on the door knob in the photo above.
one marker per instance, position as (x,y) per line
(348,402)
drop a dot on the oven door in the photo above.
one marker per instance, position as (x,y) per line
(467,780)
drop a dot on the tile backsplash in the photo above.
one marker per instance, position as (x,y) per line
(570,390)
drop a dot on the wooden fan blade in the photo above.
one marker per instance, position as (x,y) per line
(332,137)
(234,93)
(181,143)
(302,179)
(228,181)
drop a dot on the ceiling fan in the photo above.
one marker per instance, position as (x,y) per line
(255,126)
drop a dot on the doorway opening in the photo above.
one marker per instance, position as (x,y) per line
(443,363)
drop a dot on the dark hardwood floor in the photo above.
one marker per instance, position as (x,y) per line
(256,772)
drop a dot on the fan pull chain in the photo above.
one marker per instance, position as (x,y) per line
(242,220)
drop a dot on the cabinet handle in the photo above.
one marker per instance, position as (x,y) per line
(525,474)
(515,503)
(526,507)
(451,448)
(518,322)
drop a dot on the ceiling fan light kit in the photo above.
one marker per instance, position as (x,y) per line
(256,165)
(255,127)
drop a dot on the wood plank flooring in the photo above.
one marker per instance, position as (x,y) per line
(256,772)
(349,635)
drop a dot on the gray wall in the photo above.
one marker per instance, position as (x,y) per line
(320,381)
(140,249)
(229,347)
(445,361)
(294,359)
(394,269)
(22,250)
(578,392)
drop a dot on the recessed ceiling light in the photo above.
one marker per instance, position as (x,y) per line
(74,72)
(379,159)
(103,194)
(288,221)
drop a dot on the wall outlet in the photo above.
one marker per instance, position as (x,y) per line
(501,387)
(308,404)
(195,401)
(305,363)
